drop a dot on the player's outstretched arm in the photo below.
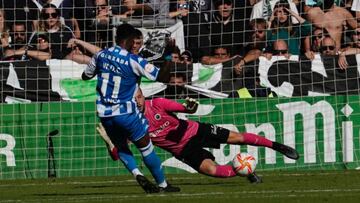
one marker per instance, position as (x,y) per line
(191,105)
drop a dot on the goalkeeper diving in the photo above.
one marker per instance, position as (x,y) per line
(185,139)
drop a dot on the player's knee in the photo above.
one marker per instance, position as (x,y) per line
(207,168)
(148,149)
(235,138)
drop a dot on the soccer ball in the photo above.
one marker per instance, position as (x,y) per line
(244,164)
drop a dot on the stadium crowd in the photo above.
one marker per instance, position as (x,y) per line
(214,31)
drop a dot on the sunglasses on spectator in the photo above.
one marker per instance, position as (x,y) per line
(278,52)
(52,15)
(325,48)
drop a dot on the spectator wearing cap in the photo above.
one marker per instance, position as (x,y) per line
(186,57)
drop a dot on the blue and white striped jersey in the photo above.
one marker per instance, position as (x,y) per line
(118,73)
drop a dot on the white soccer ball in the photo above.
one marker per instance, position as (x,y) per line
(244,164)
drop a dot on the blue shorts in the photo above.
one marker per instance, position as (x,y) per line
(132,126)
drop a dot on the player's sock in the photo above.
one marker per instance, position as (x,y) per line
(136,172)
(153,163)
(128,159)
(257,140)
(224,171)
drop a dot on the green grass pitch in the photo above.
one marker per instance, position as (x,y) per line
(309,186)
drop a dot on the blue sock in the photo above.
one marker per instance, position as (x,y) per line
(153,163)
(127,158)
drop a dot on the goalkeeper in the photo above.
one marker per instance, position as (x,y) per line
(185,139)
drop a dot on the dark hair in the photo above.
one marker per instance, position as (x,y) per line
(138,34)
(49,6)
(123,32)
(217,3)
(275,24)
(257,21)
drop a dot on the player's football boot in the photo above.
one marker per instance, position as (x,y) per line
(286,150)
(254,178)
(147,185)
(169,188)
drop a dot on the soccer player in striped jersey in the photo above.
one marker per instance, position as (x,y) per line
(185,139)
(118,72)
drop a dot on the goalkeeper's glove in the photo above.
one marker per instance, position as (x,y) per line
(191,105)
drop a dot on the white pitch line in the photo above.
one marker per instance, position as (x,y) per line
(242,194)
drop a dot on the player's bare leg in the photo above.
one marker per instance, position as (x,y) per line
(210,168)
(257,140)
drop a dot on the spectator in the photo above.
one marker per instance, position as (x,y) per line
(354,49)
(227,27)
(186,57)
(256,47)
(328,46)
(332,18)
(4,32)
(280,49)
(59,35)
(99,29)
(181,9)
(315,43)
(41,50)
(220,55)
(196,26)
(265,8)
(138,42)
(19,38)
(282,28)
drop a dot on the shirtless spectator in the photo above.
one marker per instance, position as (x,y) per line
(356,8)
(332,18)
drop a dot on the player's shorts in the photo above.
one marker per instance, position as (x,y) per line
(132,126)
(209,136)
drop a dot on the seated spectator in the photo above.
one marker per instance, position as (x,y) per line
(257,43)
(280,48)
(59,35)
(282,28)
(328,46)
(332,18)
(219,55)
(317,36)
(186,57)
(265,8)
(66,11)
(40,51)
(18,35)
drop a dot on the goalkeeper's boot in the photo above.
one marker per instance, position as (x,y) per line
(147,185)
(286,150)
(254,178)
(169,188)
